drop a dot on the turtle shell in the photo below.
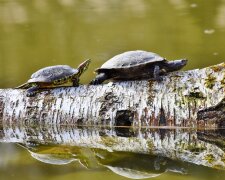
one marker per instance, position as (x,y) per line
(131,59)
(52,73)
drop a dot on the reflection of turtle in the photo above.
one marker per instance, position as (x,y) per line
(54,76)
(137,166)
(60,154)
(133,65)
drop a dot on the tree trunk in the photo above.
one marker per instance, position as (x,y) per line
(176,101)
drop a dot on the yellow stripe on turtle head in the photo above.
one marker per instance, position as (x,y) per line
(83,67)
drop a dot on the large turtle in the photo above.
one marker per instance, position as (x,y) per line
(54,76)
(136,65)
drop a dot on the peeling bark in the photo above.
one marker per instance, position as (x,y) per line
(173,102)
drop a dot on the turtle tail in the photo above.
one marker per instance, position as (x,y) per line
(23,86)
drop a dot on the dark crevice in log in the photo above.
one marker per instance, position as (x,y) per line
(162,117)
(124,118)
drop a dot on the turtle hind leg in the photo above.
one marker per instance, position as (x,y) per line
(156,74)
(32,91)
(100,78)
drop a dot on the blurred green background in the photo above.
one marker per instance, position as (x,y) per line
(39,33)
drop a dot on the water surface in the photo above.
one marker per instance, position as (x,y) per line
(39,33)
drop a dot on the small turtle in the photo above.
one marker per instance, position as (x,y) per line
(136,65)
(54,76)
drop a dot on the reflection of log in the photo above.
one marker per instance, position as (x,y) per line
(216,137)
(173,102)
(177,144)
(211,116)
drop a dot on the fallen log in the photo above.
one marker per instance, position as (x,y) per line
(175,101)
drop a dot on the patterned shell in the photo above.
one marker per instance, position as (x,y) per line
(132,58)
(51,73)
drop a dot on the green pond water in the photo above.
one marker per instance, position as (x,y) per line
(39,33)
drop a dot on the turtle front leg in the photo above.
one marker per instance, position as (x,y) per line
(32,91)
(156,74)
(100,78)
(76,82)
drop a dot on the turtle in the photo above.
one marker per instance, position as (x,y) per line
(54,76)
(136,65)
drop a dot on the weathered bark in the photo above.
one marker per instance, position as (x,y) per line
(173,102)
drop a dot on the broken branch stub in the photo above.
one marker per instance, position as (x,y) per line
(173,102)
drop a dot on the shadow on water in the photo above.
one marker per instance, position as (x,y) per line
(132,153)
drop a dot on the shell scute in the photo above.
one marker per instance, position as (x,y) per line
(53,73)
(131,59)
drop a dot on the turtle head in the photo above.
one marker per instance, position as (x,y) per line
(176,65)
(83,66)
